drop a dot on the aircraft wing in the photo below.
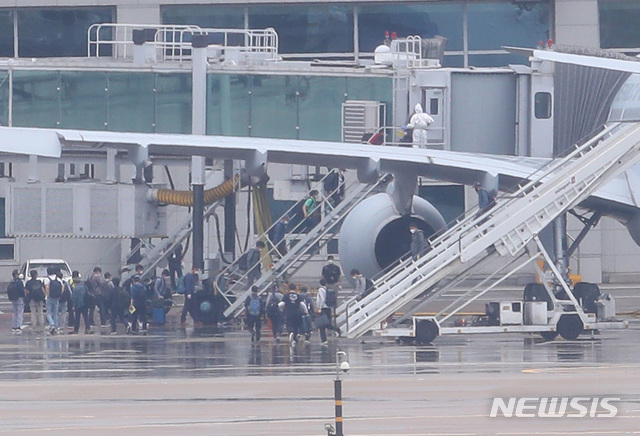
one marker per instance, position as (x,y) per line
(38,142)
(618,198)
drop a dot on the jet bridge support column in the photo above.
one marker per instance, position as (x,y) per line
(198,127)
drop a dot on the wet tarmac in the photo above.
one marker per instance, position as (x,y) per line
(215,381)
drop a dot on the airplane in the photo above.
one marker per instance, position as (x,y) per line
(373,217)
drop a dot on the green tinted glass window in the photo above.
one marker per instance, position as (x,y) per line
(424,19)
(173,103)
(83,100)
(4,98)
(228,104)
(58,32)
(130,102)
(492,25)
(307,28)
(320,107)
(619,24)
(36,98)
(274,106)
(206,16)
(6,34)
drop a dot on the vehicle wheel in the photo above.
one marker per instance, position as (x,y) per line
(570,327)
(426,331)
(549,336)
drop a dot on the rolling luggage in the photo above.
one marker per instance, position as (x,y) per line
(158,316)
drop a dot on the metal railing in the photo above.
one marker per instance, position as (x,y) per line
(173,42)
(399,137)
(117,38)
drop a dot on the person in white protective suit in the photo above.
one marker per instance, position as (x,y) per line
(419,123)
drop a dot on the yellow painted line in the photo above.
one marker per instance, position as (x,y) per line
(338,403)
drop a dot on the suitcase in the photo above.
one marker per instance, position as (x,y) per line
(158,315)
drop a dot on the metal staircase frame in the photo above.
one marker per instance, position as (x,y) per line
(302,251)
(505,230)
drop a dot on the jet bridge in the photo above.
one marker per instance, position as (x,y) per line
(508,229)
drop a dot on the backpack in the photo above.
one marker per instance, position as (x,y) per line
(293,306)
(89,286)
(254,306)
(14,292)
(331,273)
(368,287)
(123,298)
(36,290)
(55,289)
(272,308)
(79,296)
(243,261)
(331,298)
(331,182)
(180,287)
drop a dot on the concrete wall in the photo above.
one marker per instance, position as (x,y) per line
(577,23)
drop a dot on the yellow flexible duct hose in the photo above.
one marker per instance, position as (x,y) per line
(262,216)
(185,198)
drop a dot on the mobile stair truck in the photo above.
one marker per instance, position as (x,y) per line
(508,230)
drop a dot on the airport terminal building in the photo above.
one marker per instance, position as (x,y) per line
(289,70)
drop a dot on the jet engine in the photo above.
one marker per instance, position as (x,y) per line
(374,234)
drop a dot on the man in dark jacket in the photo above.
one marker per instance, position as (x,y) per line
(35,292)
(253,263)
(278,234)
(190,281)
(138,301)
(254,308)
(80,307)
(119,305)
(418,241)
(15,292)
(331,273)
(100,290)
(175,264)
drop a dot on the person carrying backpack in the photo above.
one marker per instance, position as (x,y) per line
(65,309)
(310,211)
(15,292)
(252,263)
(254,308)
(326,301)
(35,292)
(138,302)
(418,241)
(119,304)
(54,292)
(307,320)
(274,313)
(294,309)
(79,296)
(363,286)
(333,185)
(331,273)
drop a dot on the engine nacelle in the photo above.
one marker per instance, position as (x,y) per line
(374,235)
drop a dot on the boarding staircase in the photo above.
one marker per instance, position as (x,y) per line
(157,253)
(233,282)
(504,230)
